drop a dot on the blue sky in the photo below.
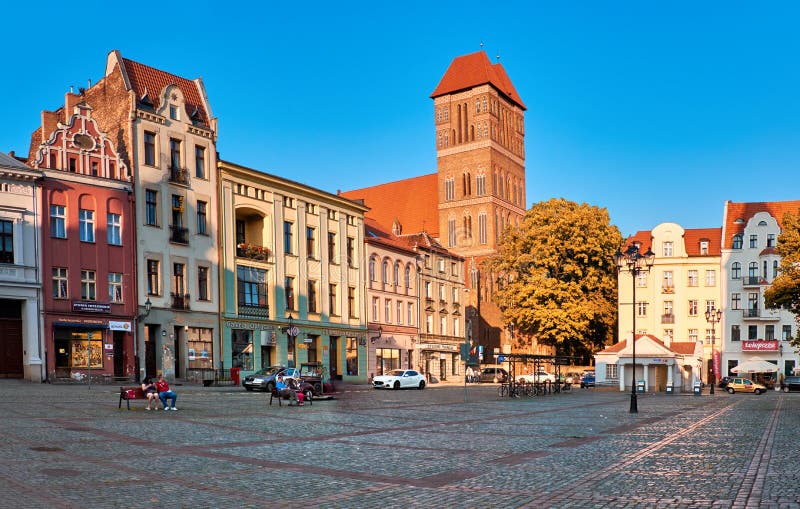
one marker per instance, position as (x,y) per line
(657,111)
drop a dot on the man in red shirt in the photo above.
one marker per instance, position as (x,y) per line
(164,393)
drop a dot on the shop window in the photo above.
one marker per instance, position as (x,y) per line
(386,360)
(74,348)
(351,356)
(200,342)
(241,349)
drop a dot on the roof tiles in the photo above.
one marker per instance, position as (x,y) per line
(734,212)
(475,69)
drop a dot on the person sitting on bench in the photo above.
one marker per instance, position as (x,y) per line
(286,391)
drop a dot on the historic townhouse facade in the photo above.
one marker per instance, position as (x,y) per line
(671,304)
(750,264)
(478,190)
(392,301)
(292,276)
(167,137)
(22,350)
(88,247)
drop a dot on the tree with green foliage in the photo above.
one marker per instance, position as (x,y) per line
(785,289)
(555,276)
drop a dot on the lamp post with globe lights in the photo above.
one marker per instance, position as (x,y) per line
(634,262)
(713,316)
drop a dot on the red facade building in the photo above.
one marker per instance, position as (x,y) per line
(88,246)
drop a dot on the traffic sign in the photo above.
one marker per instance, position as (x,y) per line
(293,331)
(501,358)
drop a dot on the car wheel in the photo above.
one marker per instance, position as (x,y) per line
(785,389)
(396,385)
(421,384)
(759,392)
(730,390)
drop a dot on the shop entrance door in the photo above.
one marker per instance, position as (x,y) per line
(333,359)
(11,348)
(150,351)
(443,369)
(119,353)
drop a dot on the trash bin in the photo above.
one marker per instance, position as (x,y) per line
(669,389)
(640,386)
(696,389)
(235,375)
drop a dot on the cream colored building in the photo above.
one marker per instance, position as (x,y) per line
(673,297)
(292,276)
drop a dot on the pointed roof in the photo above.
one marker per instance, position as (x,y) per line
(677,347)
(737,214)
(413,202)
(374,233)
(11,162)
(475,69)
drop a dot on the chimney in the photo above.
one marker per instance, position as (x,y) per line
(70,100)
(49,124)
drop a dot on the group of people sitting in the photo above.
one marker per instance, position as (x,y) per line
(159,391)
(289,389)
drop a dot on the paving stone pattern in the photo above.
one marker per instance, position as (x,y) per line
(71,447)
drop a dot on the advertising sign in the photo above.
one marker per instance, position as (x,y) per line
(760,346)
(124,326)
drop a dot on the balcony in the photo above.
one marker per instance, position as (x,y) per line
(179,234)
(252,252)
(670,318)
(751,281)
(253,311)
(667,289)
(761,314)
(180,300)
(179,176)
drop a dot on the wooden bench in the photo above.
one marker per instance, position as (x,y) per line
(128,393)
(309,397)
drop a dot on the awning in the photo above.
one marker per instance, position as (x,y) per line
(755,366)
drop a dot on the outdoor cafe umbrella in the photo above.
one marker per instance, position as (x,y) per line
(755,366)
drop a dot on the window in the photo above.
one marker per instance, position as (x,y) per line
(114,229)
(482,228)
(692,278)
(202,283)
(332,258)
(59,283)
(692,308)
(443,325)
(480,184)
(287,237)
(641,279)
(669,284)
(451,232)
(332,307)
(774,269)
(449,189)
(752,332)
(174,153)
(288,292)
(58,223)
(410,314)
(88,285)
(115,287)
(711,278)
(241,349)
(429,324)
(442,293)
(769,332)
(407,277)
(786,332)
(151,207)
(735,333)
(641,309)
(6,242)
(152,277)
(752,301)
(178,279)
(351,252)
(709,333)
(736,270)
(86,222)
(770,240)
(752,271)
(456,327)
(611,372)
(385,272)
(311,243)
(398,312)
(351,302)
(174,112)
(202,225)
(199,162)
(703,247)
(375,317)
(669,334)
(692,334)
(312,296)
(736,301)
(667,248)
(455,295)
(428,290)
(396,279)
(753,240)
(371,268)
(177,211)
(711,306)
(387,311)
(149,148)
(737,241)
(351,356)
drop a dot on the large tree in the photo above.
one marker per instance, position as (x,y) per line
(785,289)
(556,278)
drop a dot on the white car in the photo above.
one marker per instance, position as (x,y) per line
(539,376)
(399,379)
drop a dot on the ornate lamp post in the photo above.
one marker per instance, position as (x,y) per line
(635,263)
(712,317)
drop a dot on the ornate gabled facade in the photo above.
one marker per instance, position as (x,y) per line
(22,350)
(88,247)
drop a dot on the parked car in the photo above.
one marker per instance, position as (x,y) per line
(724,381)
(399,379)
(587,380)
(745,385)
(491,374)
(572,378)
(264,379)
(539,376)
(791,383)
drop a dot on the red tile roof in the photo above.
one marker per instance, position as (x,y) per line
(475,69)
(691,240)
(145,78)
(744,211)
(375,233)
(413,202)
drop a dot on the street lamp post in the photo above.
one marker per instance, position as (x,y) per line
(635,263)
(712,317)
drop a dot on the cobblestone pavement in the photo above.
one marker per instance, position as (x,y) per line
(70,446)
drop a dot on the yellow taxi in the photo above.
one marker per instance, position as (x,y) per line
(744,385)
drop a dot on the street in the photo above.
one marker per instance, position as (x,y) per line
(68,446)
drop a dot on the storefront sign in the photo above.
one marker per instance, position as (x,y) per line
(760,346)
(108,346)
(90,307)
(126,326)
(248,325)
(438,347)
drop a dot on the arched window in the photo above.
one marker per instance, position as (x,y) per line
(372,269)
(385,272)
(408,277)
(396,280)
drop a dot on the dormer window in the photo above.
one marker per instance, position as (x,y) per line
(703,247)
(174,112)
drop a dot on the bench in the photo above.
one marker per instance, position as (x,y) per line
(128,393)
(307,395)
